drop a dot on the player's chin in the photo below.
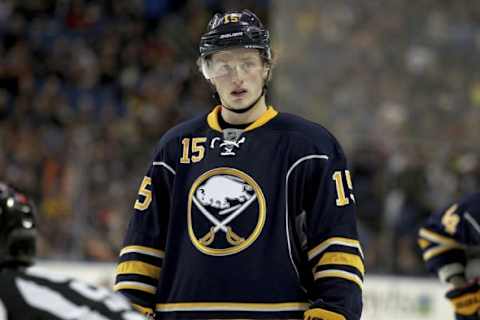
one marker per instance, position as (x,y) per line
(238,106)
(240,103)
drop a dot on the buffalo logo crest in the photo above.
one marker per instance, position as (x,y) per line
(226,211)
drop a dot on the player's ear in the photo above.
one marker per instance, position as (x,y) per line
(266,71)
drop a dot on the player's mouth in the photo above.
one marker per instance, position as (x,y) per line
(239,93)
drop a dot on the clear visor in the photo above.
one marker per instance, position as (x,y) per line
(216,69)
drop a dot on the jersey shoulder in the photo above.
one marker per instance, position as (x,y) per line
(471,200)
(452,220)
(308,132)
(170,141)
(470,204)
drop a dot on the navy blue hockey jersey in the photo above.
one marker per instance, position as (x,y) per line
(447,236)
(253,224)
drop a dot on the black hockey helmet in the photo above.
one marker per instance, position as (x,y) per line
(17,228)
(239,29)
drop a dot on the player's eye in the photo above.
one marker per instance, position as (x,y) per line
(227,68)
(221,67)
(249,65)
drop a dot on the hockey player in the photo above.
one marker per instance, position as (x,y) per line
(449,241)
(245,212)
(26,294)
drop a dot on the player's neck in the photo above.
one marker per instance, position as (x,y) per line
(247,117)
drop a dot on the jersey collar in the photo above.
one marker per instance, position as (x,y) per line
(268,115)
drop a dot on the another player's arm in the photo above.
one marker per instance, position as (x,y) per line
(334,251)
(441,242)
(140,260)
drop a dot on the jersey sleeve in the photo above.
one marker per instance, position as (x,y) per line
(335,257)
(443,239)
(140,260)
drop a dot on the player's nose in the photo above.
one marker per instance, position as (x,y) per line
(237,79)
(237,72)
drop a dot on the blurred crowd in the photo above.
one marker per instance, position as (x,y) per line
(88,87)
(86,90)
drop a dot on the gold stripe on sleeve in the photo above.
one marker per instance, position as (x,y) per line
(318,313)
(433,252)
(131,285)
(342,258)
(333,241)
(138,267)
(141,309)
(339,274)
(143,250)
(438,238)
(422,243)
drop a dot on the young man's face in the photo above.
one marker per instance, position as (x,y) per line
(239,75)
